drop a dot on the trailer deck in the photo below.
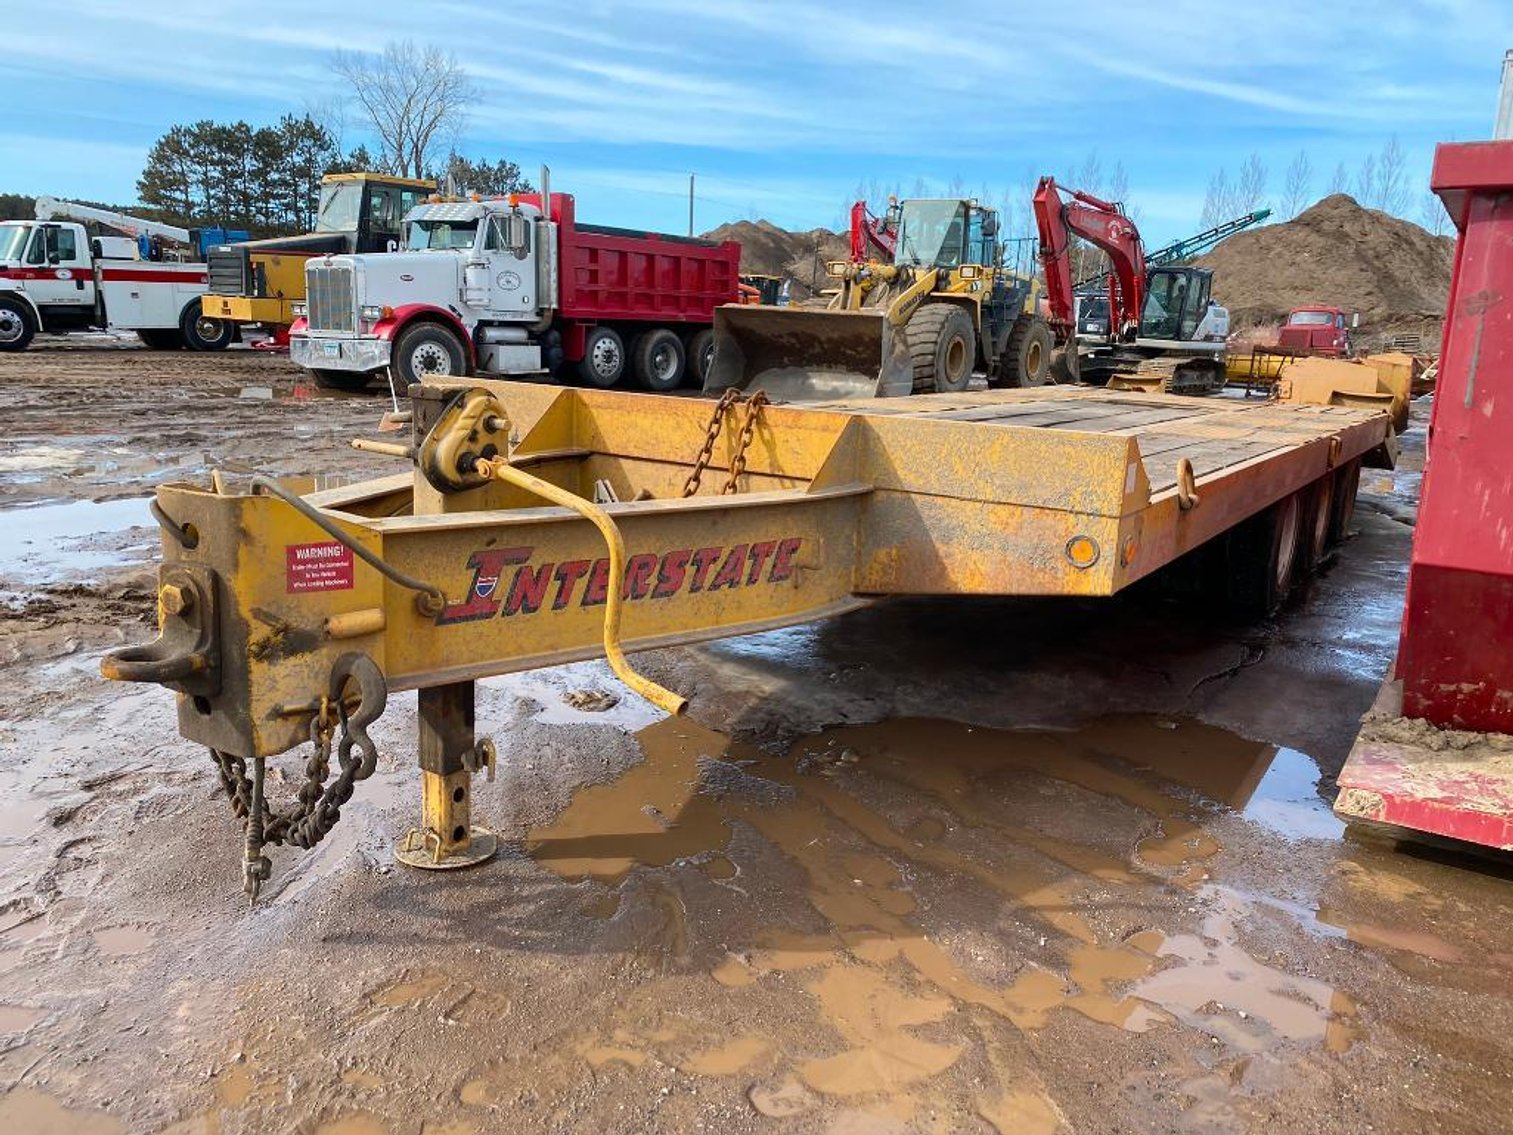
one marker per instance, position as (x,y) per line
(683,522)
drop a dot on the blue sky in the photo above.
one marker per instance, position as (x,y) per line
(783,108)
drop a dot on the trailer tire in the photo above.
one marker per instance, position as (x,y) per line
(1347,480)
(161,339)
(1026,359)
(660,360)
(699,351)
(603,362)
(16,325)
(942,347)
(1313,541)
(1260,558)
(203,333)
(426,350)
(352,381)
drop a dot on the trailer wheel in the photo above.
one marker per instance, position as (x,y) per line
(201,332)
(351,381)
(426,350)
(161,339)
(1260,556)
(1319,517)
(16,327)
(660,360)
(699,350)
(942,347)
(1026,359)
(1346,481)
(603,359)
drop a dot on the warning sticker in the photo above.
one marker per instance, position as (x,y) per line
(317,567)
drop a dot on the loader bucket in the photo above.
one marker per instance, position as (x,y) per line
(808,355)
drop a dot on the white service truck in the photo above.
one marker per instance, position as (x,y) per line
(55,278)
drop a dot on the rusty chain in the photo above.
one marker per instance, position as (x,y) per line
(711,435)
(318,805)
(728,400)
(754,406)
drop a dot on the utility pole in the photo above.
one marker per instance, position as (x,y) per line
(690,204)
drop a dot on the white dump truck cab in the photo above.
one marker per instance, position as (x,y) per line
(471,291)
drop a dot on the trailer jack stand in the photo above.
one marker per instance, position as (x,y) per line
(447,838)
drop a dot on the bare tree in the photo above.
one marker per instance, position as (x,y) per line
(1299,182)
(1118,184)
(1218,202)
(1391,178)
(414,99)
(1250,187)
(1432,213)
(1366,182)
(1340,182)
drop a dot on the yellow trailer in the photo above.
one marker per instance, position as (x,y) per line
(534,525)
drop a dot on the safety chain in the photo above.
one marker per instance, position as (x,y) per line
(728,400)
(318,807)
(754,406)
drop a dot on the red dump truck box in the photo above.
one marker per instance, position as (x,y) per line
(607,274)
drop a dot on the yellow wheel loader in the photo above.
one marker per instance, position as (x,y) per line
(944,309)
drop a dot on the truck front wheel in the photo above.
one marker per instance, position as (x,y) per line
(16,328)
(660,360)
(351,381)
(202,333)
(603,359)
(427,350)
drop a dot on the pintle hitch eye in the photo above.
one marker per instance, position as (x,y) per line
(186,655)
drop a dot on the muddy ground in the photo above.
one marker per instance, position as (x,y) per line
(933,866)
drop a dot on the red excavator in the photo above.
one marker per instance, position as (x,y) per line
(873,237)
(1164,329)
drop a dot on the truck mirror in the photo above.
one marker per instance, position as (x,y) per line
(516,233)
(54,258)
(1355,321)
(990,224)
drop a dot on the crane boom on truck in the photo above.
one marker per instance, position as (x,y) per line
(1163,312)
(515,285)
(198,241)
(940,308)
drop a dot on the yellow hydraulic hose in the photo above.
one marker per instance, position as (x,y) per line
(501,470)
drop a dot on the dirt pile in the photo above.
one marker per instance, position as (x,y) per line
(1391,271)
(771,251)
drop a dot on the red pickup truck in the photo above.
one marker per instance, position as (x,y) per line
(1318,331)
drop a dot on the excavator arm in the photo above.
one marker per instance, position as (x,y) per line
(1102,225)
(872,238)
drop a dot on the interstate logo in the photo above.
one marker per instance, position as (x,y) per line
(506,581)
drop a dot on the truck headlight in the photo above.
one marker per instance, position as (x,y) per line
(298,310)
(372,313)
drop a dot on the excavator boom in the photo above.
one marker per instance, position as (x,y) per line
(1103,225)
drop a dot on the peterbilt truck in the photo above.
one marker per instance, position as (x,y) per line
(497,287)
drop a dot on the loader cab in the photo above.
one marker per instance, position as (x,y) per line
(1176,301)
(368,208)
(945,234)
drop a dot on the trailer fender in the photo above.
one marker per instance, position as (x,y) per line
(391,328)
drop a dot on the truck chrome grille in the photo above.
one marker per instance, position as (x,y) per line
(332,305)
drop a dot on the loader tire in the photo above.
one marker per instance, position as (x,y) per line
(942,347)
(1026,359)
(16,326)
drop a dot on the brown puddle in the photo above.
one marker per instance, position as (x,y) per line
(19,1018)
(1042,826)
(23,1110)
(122,941)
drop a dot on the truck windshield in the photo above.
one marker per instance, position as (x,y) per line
(12,241)
(1310,318)
(931,232)
(340,206)
(441,234)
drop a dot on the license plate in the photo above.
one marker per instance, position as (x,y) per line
(331,350)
